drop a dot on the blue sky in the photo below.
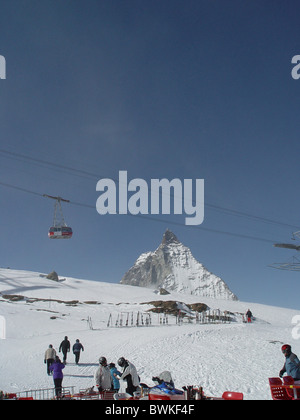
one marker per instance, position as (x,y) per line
(160,89)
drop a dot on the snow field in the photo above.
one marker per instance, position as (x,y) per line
(218,357)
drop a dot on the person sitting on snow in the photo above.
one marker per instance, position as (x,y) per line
(164,376)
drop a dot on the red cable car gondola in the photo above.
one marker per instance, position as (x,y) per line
(59,230)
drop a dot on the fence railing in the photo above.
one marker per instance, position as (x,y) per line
(45,393)
(140,319)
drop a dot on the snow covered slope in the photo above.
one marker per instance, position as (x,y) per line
(172,267)
(219,357)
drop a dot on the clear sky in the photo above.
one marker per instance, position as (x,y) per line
(187,89)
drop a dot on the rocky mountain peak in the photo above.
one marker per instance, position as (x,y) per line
(172,267)
(169,238)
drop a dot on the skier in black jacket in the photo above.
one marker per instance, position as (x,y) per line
(65,347)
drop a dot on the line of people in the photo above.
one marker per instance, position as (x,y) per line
(65,347)
(54,364)
(107,376)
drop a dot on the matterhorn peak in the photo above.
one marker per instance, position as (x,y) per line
(169,237)
(172,267)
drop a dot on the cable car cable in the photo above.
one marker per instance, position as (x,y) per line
(86,174)
(153,219)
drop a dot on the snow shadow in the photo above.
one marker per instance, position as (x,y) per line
(83,370)
(19,285)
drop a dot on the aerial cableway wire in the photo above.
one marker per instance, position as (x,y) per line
(86,174)
(142,216)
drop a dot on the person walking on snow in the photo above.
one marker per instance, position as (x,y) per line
(49,358)
(249,316)
(76,350)
(57,368)
(102,375)
(292,364)
(65,348)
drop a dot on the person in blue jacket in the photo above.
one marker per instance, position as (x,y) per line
(76,350)
(292,363)
(114,374)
